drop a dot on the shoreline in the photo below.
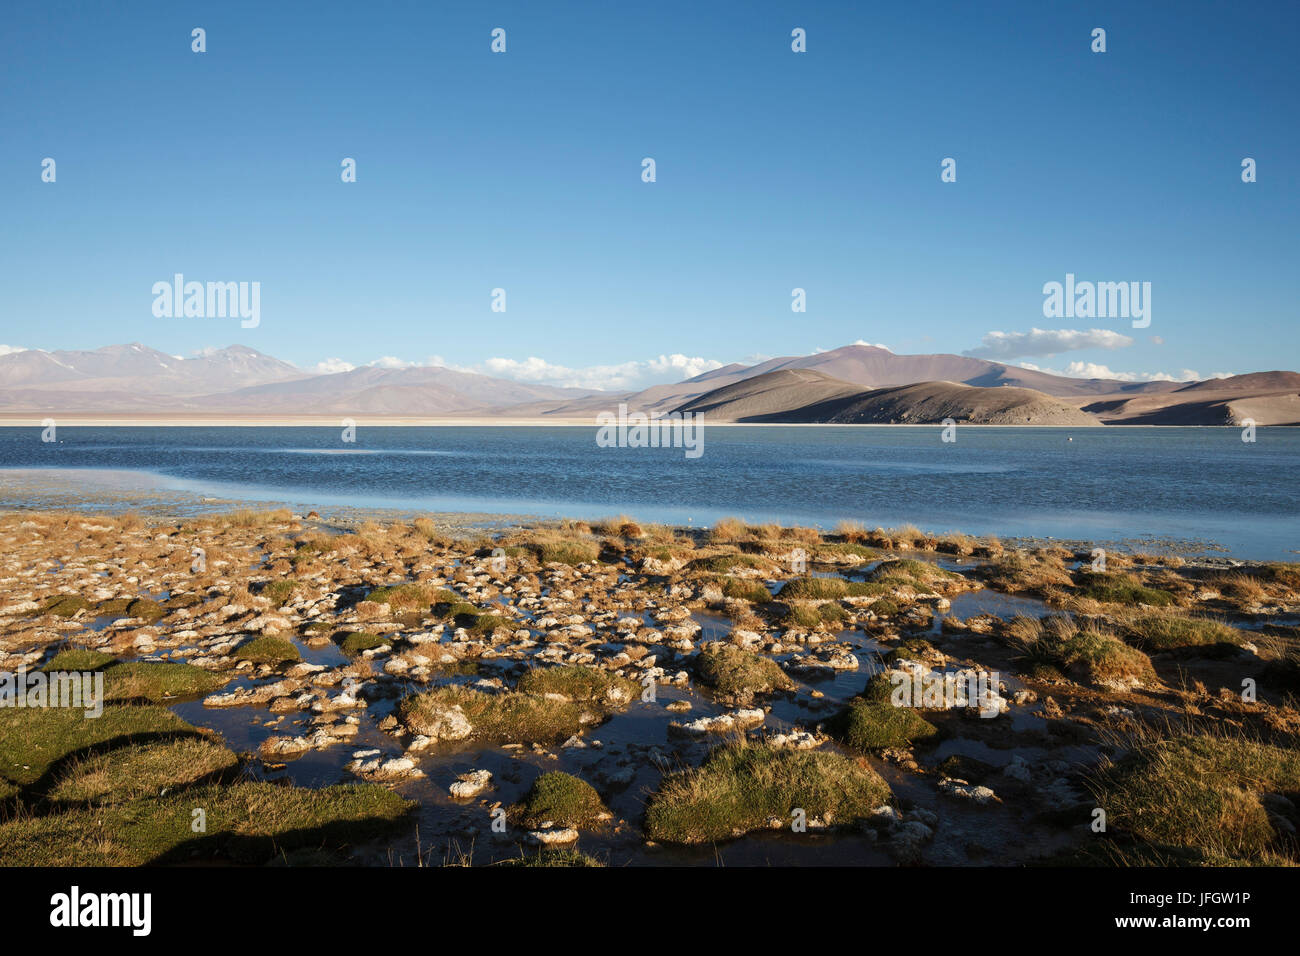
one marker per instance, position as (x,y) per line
(412,421)
(113,491)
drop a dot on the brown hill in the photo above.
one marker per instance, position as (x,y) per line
(1266,398)
(1257,382)
(808,396)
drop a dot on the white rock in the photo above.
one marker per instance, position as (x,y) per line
(553,837)
(471,784)
(967,791)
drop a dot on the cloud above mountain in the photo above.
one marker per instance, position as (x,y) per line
(1095,370)
(1009,345)
(623,376)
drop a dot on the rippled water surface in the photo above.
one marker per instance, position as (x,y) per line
(1201,485)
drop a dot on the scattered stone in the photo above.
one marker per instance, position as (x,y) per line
(471,784)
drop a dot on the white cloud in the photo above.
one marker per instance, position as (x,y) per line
(624,376)
(331,365)
(11,349)
(1095,370)
(1008,345)
(621,377)
(874,345)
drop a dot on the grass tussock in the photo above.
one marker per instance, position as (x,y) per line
(579,683)
(251,519)
(746,787)
(811,616)
(268,650)
(872,722)
(727,530)
(510,717)
(1018,571)
(1213,794)
(562,800)
(353,643)
(1085,652)
(620,527)
(1283,574)
(726,563)
(737,673)
(1122,587)
(79,659)
(32,740)
(564,550)
(745,590)
(408,596)
(831,550)
(1168,630)
(919,575)
(279,592)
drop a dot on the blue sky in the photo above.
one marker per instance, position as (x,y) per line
(775,170)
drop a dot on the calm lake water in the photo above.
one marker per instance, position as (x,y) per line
(1100,485)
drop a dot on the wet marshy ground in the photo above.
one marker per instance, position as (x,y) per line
(325,652)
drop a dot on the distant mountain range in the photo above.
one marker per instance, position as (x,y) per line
(853,384)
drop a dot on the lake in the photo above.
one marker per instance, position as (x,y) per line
(1203,487)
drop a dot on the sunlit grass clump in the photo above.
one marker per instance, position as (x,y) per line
(748,787)
(1164,631)
(268,650)
(1084,651)
(1121,587)
(576,682)
(872,722)
(562,800)
(737,673)
(1213,794)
